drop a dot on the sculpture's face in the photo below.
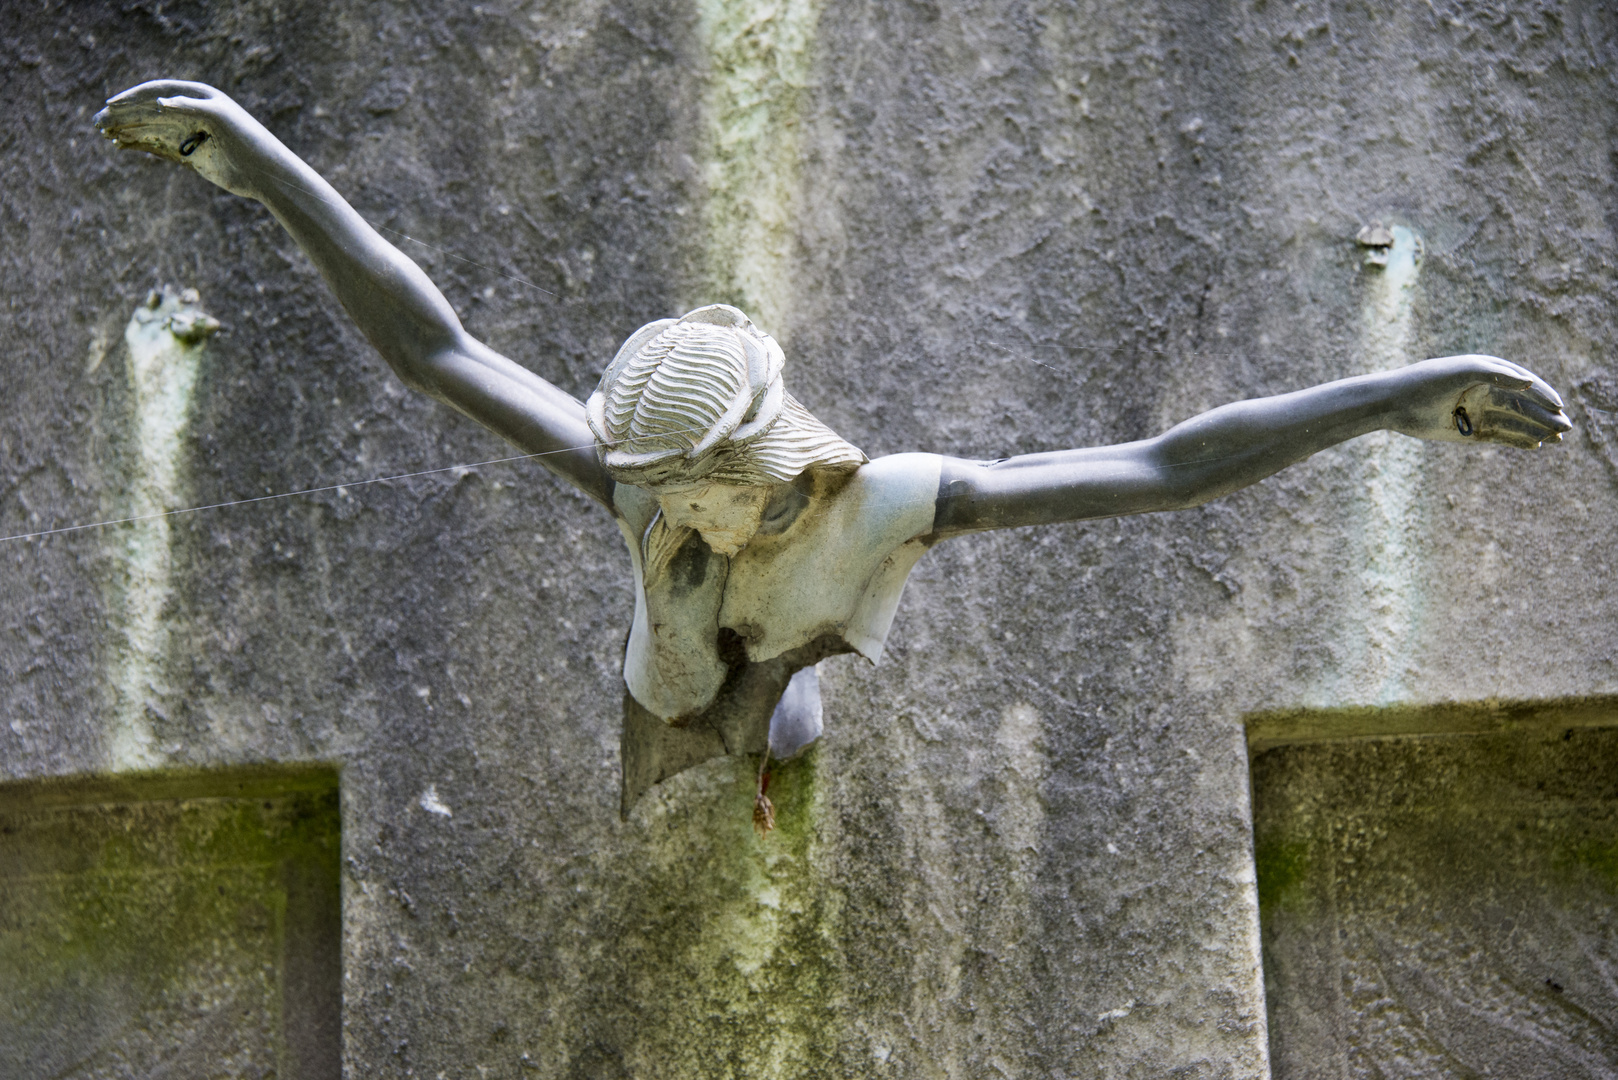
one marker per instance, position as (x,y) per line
(727,515)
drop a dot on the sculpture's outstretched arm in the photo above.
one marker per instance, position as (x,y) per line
(386,294)
(1455,399)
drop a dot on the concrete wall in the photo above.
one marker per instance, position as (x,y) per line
(1024,848)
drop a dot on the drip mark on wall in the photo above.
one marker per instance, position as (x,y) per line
(164,339)
(759,58)
(1381,651)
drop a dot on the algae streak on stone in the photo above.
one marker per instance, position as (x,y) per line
(1381,624)
(736,937)
(1392,556)
(759,65)
(165,340)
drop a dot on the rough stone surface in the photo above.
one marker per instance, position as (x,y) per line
(1441,906)
(1024,846)
(189,927)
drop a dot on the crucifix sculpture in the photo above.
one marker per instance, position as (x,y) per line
(762,542)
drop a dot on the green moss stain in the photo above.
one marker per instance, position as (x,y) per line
(759,55)
(750,957)
(768,944)
(735,934)
(1282,867)
(1398,876)
(130,929)
(152,880)
(1598,857)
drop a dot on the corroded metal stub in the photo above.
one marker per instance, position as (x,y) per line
(1379,241)
(177,311)
(1374,235)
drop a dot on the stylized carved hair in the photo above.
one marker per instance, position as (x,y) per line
(701,399)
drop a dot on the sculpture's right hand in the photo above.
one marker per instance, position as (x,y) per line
(191,123)
(1476,399)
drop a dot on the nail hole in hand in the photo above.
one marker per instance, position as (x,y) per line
(1463,423)
(190,145)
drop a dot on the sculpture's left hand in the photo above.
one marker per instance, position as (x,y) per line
(193,124)
(1476,399)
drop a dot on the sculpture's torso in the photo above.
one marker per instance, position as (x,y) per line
(834,563)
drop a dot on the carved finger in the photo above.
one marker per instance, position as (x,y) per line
(145,137)
(1532,385)
(1541,391)
(125,117)
(1521,442)
(1512,430)
(174,134)
(160,88)
(1521,403)
(1529,424)
(1505,375)
(190,106)
(133,134)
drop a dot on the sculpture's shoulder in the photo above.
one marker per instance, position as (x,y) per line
(917,473)
(868,512)
(893,494)
(634,508)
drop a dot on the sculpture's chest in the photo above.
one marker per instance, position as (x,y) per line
(836,568)
(785,590)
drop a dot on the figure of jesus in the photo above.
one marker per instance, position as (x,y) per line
(762,542)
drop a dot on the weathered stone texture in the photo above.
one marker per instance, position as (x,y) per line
(1024,847)
(187,927)
(1442,906)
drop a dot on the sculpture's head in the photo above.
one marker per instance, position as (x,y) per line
(694,410)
